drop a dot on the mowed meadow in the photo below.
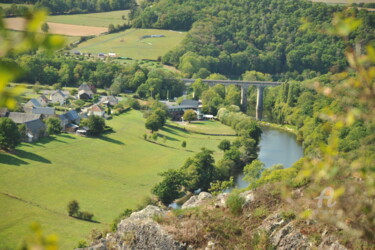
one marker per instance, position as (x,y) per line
(106,175)
(130,44)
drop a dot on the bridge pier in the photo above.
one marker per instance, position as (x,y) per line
(259,106)
(244,98)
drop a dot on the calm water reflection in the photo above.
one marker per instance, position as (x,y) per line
(276,146)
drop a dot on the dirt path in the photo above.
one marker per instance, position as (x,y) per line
(57,28)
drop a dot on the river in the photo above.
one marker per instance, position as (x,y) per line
(276,146)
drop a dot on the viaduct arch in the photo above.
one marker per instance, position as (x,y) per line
(261,85)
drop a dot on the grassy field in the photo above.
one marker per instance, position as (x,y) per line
(106,175)
(206,127)
(102,19)
(130,44)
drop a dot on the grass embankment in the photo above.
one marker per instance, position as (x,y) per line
(101,19)
(106,175)
(129,43)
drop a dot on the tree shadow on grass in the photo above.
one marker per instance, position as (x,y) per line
(172,130)
(92,221)
(9,159)
(67,136)
(111,140)
(31,156)
(168,138)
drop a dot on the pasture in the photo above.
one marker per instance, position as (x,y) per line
(18,23)
(105,174)
(129,43)
(101,19)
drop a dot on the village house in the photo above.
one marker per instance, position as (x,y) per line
(109,100)
(58,97)
(95,110)
(20,118)
(177,111)
(45,112)
(85,92)
(34,129)
(69,121)
(43,100)
(32,103)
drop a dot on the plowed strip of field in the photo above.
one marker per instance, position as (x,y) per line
(58,28)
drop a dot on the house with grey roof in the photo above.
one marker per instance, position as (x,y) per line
(69,118)
(85,92)
(109,100)
(44,111)
(58,97)
(177,111)
(32,103)
(43,100)
(21,118)
(34,129)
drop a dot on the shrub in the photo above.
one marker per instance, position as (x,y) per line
(155,136)
(183,144)
(145,136)
(85,215)
(82,244)
(235,203)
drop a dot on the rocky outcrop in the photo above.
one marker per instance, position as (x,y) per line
(139,231)
(197,200)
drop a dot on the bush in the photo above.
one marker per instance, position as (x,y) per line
(82,244)
(235,203)
(85,215)
(73,208)
(288,215)
(183,144)
(155,136)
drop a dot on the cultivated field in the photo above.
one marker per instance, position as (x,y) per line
(102,19)
(130,44)
(57,28)
(106,175)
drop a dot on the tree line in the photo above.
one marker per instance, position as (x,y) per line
(70,6)
(60,71)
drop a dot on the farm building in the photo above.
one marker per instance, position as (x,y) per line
(58,97)
(85,92)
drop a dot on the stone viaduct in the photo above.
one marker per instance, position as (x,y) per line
(244,89)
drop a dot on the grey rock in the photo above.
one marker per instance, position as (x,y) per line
(139,231)
(196,200)
(330,243)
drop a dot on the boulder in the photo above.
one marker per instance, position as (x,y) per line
(139,231)
(197,200)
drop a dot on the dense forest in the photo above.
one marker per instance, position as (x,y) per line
(69,6)
(231,37)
